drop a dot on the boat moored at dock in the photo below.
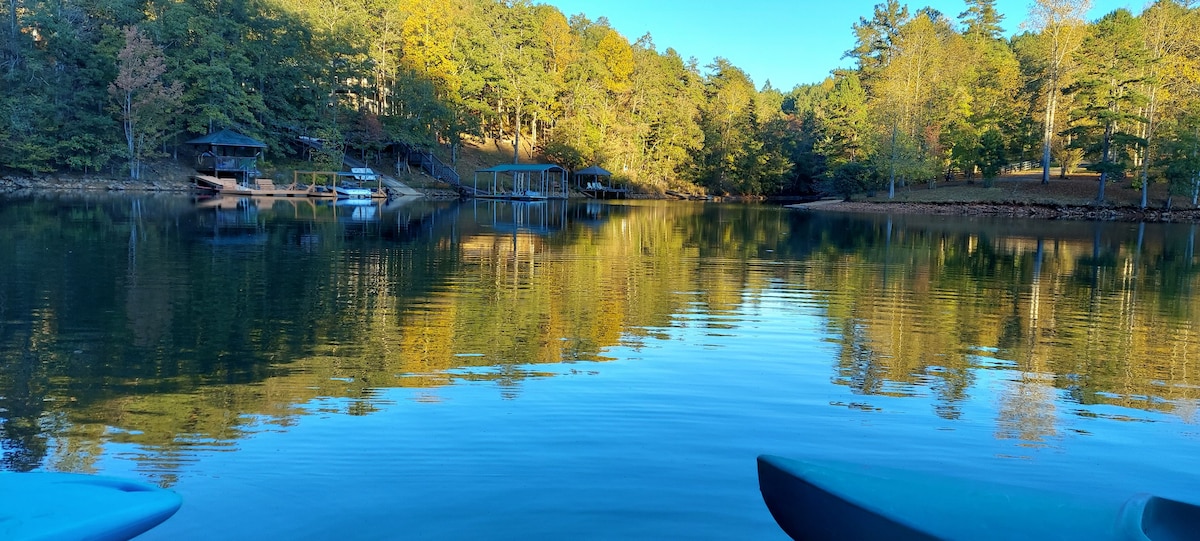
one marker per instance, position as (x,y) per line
(267,187)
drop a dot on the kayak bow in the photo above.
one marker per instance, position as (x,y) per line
(836,501)
(65,506)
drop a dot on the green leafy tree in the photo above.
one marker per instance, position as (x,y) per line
(419,116)
(850,178)
(991,84)
(992,155)
(965,151)
(54,87)
(1169,33)
(12,37)
(842,121)
(765,161)
(725,118)
(1181,154)
(212,74)
(917,94)
(330,155)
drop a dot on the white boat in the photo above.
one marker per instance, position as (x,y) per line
(530,195)
(352,192)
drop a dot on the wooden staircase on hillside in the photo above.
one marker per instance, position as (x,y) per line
(431,165)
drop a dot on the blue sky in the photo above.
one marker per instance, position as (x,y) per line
(788,42)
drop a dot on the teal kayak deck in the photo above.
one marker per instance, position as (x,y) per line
(64,506)
(818,500)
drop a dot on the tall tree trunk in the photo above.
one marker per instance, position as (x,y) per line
(1048,131)
(127,110)
(892,181)
(1062,22)
(533,134)
(517,134)
(14,32)
(1146,155)
(1105,155)
(500,116)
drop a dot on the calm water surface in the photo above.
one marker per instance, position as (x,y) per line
(436,370)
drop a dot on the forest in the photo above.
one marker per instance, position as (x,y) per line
(108,85)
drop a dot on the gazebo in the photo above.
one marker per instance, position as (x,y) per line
(596,188)
(595,172)
(529,181)
(228,152)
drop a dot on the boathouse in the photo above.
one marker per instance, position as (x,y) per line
(227,153)
(522,182)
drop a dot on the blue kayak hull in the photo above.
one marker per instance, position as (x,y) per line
(64,506)
(817,501)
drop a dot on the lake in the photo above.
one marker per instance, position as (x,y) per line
(494,370)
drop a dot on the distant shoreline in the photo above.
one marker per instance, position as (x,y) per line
(1009,210)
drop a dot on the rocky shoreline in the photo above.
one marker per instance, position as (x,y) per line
(48,183)
(91,183)
(1012,210)
(1112,213)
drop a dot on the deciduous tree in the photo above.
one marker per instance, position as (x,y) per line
(1060,24)
(145,104)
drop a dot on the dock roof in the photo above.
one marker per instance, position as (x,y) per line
(522,168)
(227,138)
(594,170)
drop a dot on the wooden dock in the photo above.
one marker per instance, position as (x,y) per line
(266,188)
(595,190)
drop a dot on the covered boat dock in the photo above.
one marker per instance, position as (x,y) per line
(523,182)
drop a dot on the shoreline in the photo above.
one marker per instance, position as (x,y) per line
(50,183)
(1107,213)
(10,184)
(1045,211)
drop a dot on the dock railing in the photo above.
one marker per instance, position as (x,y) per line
(430,164)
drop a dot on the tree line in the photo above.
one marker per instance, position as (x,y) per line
(931,96)
(104,85)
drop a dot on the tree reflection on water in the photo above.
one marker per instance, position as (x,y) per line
(175,325)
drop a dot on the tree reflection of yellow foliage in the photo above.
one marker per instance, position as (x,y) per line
(915,308)
(1027,410)
(1089,319)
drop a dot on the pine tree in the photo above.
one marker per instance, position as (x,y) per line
(1109,89)
(981,20)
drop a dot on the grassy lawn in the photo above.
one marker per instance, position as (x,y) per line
(1026,187)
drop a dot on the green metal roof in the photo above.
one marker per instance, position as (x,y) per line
(522,168)
(227,138)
